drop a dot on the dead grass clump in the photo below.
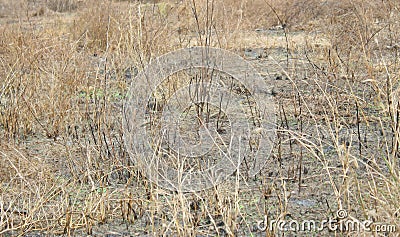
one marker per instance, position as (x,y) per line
(28,185)
(12,9)
(38,83)
(95,26)
(62,5)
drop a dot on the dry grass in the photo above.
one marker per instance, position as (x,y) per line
(65,68)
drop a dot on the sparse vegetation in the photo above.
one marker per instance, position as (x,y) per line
(65,69)
(62,5)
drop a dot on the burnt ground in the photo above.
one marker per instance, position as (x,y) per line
(306,167)
(332,135)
